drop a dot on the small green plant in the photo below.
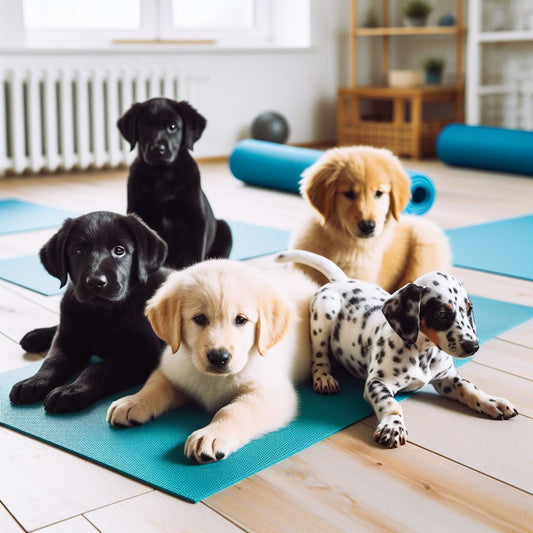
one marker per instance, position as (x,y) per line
(371,19)
(417,9)
(433,65)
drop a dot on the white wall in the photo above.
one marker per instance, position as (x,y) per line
(231,87)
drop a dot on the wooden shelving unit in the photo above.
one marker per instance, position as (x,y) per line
(406,133)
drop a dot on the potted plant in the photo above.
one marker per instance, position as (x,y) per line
(433,67)
(416,13)
(371,18)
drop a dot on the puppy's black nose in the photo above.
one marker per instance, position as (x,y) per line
(219,357)
(469,347)
(367,226)
(96,281)
(158,149)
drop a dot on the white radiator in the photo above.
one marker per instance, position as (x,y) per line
(53,119)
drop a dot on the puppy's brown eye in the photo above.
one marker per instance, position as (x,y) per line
(119,251)
(79,251)
(350,195)
(441,315)
(201,320)
(379,194)
(240,320)
(172,126)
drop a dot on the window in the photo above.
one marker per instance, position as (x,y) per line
(226,21)
(99,22)
(87,15)
(212,14)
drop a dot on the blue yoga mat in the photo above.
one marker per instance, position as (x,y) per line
(153,453)
(26,271)
(487,148)
(18,215)
(249,241)
(503,247)
(278,166)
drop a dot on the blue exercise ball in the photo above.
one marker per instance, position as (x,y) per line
(270,126)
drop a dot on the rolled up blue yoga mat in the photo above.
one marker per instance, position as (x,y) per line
(486,148)
(422,194)
(278,166)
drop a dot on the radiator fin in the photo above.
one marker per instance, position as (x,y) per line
(66,118)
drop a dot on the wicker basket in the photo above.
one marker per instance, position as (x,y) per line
(400,136)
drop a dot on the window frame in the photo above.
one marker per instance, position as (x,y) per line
(260,32)
(155,26)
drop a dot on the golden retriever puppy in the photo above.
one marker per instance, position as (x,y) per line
(357,194)
(238,342)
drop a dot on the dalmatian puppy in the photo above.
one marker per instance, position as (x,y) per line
(397,342)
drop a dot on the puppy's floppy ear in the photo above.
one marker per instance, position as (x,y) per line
(127,124)
(150,248)
(194,123)
(274,316)
(319,185)
(402,311)
(164,314)
(53,254)
(400,190)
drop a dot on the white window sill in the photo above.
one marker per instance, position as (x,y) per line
(158,48)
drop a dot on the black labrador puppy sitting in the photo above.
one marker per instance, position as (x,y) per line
(164,182)
(114,265)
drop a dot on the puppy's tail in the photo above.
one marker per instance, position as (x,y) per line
(320,263)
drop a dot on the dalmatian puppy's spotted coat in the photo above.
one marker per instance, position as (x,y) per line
(397,342)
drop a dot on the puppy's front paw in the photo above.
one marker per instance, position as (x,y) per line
(129,411)
(498,408)
(211,443)
(67,399)
(326,384)
(391,432)
(30,390)
(38,340)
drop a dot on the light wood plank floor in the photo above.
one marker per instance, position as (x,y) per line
(459,471)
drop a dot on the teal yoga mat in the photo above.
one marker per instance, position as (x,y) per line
(485,147)
(153,453)
(249,241)
(19,215)
(26,271)
(503,247)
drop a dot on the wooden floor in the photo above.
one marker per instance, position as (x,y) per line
(458,472)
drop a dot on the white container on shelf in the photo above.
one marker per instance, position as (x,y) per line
(405,79)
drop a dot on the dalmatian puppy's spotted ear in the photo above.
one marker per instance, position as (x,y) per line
(402,311)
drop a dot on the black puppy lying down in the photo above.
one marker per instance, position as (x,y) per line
(164,182)
(114,264)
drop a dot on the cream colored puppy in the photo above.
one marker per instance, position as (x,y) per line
(238,342)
